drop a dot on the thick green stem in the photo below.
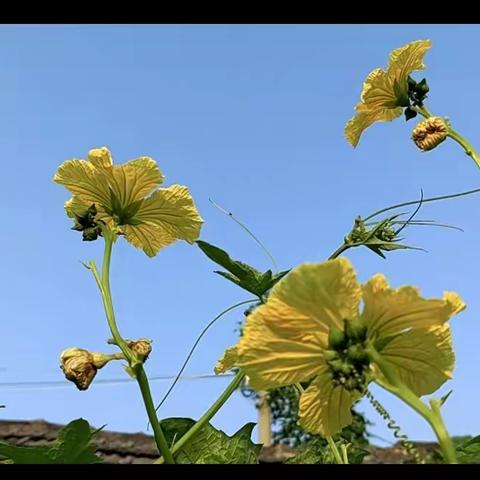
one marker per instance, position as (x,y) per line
(432,416)
(136,365)
(209,414)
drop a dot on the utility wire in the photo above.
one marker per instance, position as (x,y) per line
(41,385)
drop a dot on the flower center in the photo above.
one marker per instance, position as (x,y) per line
(346,357)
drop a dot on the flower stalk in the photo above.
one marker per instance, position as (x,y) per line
(431,415)
(135,364)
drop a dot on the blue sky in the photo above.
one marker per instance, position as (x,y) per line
(251,116)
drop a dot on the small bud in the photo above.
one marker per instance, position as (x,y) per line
(336,339)
(142,348)
(356,329)
(429,133)
(330,355)
(357,354)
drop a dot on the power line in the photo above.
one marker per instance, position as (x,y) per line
(45,385)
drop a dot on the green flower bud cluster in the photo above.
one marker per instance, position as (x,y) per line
(88,225)
(346,355)
(358,232)
(417,93)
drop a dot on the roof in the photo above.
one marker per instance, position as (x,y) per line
(137,448)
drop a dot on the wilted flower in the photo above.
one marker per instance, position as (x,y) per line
(429,133)
(80,366)
(142,347)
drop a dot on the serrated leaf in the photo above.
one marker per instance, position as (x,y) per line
(221,257)
(313,452)
(25,455)
(469,451)
(72,446)
(210,445)
(242,274)
(316,452)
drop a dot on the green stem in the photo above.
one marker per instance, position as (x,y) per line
(160,439)
(334,450)
(344,454)
(454,135)
(136,365)
(432,416)
(209,414)
(467,146)
(340,250)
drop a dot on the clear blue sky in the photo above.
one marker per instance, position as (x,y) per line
(253,117)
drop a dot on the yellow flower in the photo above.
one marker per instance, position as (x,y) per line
(385,92)
(127,197)
(311,330)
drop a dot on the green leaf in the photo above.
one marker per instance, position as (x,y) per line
(316,452)
(469,451)
(445,398)
(25,455)
(313,452)
(72,446)
(243,275)
(210,445)
(221,257)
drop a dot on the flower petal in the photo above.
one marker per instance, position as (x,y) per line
(378,93)
(325,408)
(169,214)
(83,180)
(100,157)
(228,360)
(404,60)
(388,311)
(314,297)
(273,361)
(135,179)
(423,359)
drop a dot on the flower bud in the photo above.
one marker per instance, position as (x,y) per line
(79,367)
(356,329)
(330,355)
(336,339)
(141,347)
(357,355)
(429,133)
